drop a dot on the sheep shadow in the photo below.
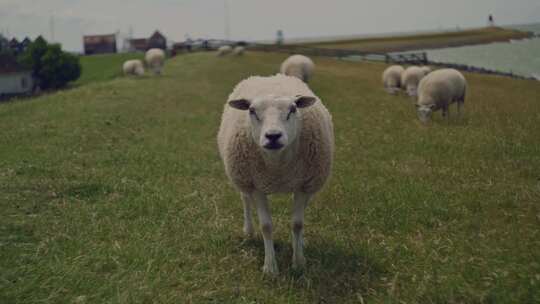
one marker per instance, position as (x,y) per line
(333,273)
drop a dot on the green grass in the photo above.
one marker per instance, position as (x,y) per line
(424,41)
(103,67)
(114,192)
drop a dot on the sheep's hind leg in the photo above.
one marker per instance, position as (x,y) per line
(446,112)
(248,223)
(460,104)
(265,220)
(301,200)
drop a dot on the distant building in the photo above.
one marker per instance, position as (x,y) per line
(14,80)
(280,37)
(138,45)
(157,40)
(181,47)
(99,44)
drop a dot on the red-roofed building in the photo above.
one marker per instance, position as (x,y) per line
(138,44)
(156,40)
(99,44)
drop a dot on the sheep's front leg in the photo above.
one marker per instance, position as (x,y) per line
(459,105)
(301,200)
(248,223)
(265,220)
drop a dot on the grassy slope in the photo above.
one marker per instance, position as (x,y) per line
(114,193)
(103,67)
(424,41)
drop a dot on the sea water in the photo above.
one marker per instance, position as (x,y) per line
(521,57)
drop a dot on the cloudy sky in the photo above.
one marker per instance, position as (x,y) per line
(250,19)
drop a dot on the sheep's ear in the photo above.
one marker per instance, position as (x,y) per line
(240,104)
(304,101)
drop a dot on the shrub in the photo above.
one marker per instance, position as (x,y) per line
(52,67)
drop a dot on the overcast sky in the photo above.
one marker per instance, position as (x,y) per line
(250,19)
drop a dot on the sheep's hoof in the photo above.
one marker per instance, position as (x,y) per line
(249,235)
(271,269)
(299,263)
(249,232)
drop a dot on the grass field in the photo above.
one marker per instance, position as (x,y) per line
(103,67)
(424,41)
(114,192)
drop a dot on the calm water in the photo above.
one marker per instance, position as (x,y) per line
(520,57)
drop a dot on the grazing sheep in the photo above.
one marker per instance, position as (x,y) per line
(426,70)
(133,67)
(392,78)
(411,78)
(224,50)
(438,90)
(155,59)
(276,136)
(239,51)
(298,66)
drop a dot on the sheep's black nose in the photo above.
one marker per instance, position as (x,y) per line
(273,136)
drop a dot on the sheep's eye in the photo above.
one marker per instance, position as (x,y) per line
(291,111)
(252,112)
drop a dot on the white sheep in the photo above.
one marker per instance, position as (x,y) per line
(426,70)
(239,50)
(438,90)
(298,66)
(224,50)
(155,59)
(411,78)
(276,136)
(392,78)
(133,67)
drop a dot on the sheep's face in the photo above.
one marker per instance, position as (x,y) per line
(139,70)
(275,121)
(426,70)
(392,90)
(412,90)
(424,112)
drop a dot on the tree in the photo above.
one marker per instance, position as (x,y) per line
(3,43)
(52,67)
(58,68)
(31,58)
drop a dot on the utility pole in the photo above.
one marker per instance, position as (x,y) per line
(227,22)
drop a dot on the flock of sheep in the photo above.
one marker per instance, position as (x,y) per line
(276,135)
(227,49)
(432,90)
(154,59)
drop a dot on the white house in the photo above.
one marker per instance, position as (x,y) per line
(14,80)
(16,83)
